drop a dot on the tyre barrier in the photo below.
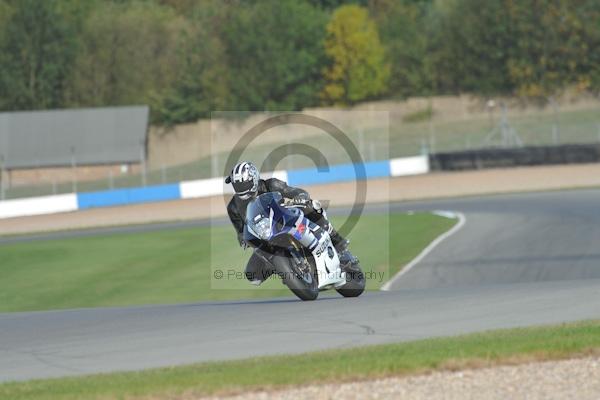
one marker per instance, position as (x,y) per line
(515,157)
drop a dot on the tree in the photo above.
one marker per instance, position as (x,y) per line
(591,35)
(473,51)
(406,31)
(556,38)
(531,48)
(128,54)
(201,83)
(358,69)
(274,52)
(5,14)
(37,49)
(333,4)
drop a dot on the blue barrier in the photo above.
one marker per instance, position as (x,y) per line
(128,196)
(338,173)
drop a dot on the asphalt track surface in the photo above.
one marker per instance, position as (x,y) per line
(520,260)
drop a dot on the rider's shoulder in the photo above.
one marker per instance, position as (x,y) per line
(231,205)
(274,184)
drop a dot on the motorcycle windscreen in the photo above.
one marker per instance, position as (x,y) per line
(261,214)
(266,217)
(260,206)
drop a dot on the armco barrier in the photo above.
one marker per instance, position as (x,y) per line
(515,157)
(204,188)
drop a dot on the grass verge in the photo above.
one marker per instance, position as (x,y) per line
(474,350)
(174,266)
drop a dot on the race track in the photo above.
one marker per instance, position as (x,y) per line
(519,260)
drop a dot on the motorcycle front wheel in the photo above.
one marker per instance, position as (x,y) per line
(302,281)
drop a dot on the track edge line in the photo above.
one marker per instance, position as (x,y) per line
(462,220)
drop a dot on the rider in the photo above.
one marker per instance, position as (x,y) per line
(247,184)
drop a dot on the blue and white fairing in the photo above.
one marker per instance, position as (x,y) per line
(267,219)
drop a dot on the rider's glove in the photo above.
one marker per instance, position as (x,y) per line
(316,205)
(301,199)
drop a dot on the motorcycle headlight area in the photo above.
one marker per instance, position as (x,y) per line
(262,228)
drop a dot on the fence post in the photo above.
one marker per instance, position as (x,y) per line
(490,105)
(432,133)
(432,143)
(361,141)
(2,194)
(73,170)
(288,156)
(143,162)
(214,156)
(372,151)
(215,161)
(555,128)
(424,147)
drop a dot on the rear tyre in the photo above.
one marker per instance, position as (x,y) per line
(355,281)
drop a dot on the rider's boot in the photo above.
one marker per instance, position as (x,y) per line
(341,245)
(339,242)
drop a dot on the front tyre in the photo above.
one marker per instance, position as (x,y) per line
(355,281)
(301,280)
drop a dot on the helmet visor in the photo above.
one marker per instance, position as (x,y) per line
(242,188)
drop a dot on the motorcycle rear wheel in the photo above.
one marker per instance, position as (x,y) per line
(355,281)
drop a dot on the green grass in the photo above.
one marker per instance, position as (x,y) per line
(474,350)
(175,266)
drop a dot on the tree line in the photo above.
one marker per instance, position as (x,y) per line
(186,58)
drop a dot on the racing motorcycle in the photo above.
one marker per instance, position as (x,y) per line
(298,250)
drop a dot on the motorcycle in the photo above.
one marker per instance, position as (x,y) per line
(298,250)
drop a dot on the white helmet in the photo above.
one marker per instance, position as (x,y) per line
(244,178)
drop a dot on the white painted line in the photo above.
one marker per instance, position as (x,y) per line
(448,214)
(445,214)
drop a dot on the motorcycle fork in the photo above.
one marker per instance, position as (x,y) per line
(299,256)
